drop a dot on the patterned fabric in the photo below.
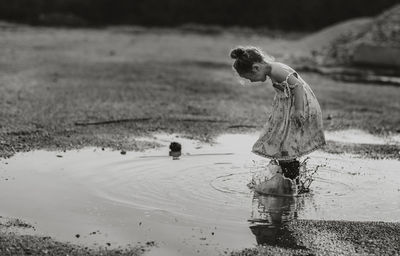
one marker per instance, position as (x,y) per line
(280,138)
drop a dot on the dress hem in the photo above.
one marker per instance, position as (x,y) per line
(289,157)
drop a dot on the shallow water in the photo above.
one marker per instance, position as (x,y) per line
(197,205)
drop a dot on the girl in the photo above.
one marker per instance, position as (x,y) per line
(294,127)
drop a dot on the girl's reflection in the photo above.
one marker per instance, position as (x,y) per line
(270,218)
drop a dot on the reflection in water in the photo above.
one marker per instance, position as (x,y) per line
(270,218)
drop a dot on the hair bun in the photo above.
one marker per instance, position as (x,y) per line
(238,53)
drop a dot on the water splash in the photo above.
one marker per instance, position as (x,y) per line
(270,180)
(306,176)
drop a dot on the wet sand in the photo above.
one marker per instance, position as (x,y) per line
(15,244)
(332,238)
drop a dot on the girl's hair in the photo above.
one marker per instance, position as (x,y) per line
(245,57)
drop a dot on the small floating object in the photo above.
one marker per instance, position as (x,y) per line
(175,150)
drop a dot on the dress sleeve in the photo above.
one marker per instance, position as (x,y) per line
(291,85)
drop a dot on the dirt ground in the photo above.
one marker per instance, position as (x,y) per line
(63,89)
(306,237)
(19,238)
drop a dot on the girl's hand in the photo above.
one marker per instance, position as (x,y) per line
(298,118)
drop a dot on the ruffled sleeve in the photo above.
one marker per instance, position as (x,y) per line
(285,86)
(292,86)
(288,87)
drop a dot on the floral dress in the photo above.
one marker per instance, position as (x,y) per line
(280,138)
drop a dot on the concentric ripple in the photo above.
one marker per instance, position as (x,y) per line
(232,183)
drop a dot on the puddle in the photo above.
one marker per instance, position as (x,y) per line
(198,205)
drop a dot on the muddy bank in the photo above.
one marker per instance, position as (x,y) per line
(18,238)
(302,237)
(308,237)
(18,245)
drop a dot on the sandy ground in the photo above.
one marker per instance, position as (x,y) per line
(14,245)
(55,82)
(63,89)
(333,238)
(19,238)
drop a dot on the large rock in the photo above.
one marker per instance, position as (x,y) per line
(380,45)
(385,29)
(375,43)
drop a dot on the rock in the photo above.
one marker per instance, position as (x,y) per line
(175,147)
(377,44)
(175,150)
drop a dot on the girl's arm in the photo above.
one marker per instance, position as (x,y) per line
(279,74)
(298,93)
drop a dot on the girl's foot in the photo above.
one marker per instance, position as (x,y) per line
(290,168)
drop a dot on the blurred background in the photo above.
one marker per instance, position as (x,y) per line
(284,14)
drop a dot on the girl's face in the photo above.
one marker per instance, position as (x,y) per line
(258,74)
(254,76)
